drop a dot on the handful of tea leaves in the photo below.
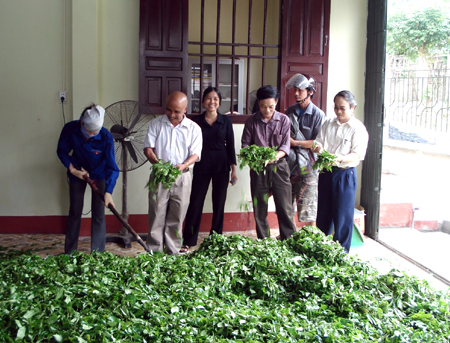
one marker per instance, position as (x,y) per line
(164,173)
(256,157)
(325,160)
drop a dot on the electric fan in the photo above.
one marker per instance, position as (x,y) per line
(128,121)
(253,102)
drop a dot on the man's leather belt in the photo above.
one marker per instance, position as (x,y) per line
(334,169)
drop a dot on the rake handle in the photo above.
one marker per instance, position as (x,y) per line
(118,216)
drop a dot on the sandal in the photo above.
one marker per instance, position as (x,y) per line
(184,249)
(278,237)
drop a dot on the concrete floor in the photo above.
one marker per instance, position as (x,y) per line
(372,252)
(384,260)
(429,248)
(417,174)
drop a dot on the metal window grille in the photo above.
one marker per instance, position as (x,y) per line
(251,46)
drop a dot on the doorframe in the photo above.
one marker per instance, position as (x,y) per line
(374,114)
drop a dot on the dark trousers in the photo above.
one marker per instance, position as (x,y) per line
(336,204)
(275,180)
(98,228)
(200,185)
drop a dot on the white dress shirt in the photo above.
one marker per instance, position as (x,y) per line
(343,139)
(174,144)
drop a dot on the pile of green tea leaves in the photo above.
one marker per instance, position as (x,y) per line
(256,157)
(232,289)
(164,173)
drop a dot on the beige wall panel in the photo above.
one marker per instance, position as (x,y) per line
(118,50)
(31,72)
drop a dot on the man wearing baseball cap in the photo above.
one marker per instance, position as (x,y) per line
(306,121)
(85,147)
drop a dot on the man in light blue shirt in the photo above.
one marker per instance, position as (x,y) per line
(306,122)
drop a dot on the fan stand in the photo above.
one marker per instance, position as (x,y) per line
(124,237)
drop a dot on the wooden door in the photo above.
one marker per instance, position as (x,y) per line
(304,47)
(163,46)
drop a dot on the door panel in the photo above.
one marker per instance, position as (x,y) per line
(305,32)
(163,44)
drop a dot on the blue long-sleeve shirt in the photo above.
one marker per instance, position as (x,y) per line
(95,155)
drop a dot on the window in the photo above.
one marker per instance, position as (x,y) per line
(272,39)
(222,81)
(244,32)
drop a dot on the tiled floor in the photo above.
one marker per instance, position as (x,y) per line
(50,245)
(372,252)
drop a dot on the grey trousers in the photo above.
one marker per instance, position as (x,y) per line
(98,228)
(166,215)
(274,179)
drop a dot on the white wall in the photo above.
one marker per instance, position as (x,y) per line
(100,63)
(347,60)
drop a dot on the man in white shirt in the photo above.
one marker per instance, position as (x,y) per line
(347,138)
(177,139)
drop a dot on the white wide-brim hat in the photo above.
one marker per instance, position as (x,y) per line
(93,118)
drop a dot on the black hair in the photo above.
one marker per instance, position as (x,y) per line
(348,96)
(209,90)
(310,88)
(92,105)
(267,92)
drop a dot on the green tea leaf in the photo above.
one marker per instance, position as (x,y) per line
(256,157)
(21,333)
(29,314)
(162,173)
(325,161)
(58,338)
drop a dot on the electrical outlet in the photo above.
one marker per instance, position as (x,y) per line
(62,96)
